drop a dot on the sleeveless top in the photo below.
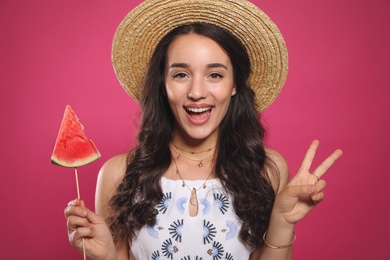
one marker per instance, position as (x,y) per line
(212,234)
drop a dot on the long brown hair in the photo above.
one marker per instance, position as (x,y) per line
(241,158)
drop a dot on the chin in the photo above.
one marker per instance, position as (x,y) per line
(201,134)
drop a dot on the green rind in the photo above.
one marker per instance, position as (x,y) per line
(76,163)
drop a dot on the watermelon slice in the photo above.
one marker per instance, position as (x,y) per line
(72,147)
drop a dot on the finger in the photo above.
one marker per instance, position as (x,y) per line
(75,222)
(77,235)
(75,210)
(94,218)
(316,179)
(75,202)
(301,191)
(320,185)
(327,163)
(318,197)
(309,156)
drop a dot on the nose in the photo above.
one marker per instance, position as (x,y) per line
(197,90)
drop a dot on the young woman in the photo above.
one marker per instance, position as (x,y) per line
(199,184)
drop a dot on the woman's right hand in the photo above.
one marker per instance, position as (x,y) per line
(85,224)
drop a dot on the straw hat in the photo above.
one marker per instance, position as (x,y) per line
(142,29)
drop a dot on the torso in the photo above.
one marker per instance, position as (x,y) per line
(211,234)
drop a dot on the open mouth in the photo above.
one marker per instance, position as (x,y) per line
(198,110)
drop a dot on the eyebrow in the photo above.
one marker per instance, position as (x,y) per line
(180,65)
(186,66)
(216,65)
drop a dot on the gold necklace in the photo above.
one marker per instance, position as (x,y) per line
(200,162)
(194,191)
(192,152)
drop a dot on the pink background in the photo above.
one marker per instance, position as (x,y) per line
(55,53)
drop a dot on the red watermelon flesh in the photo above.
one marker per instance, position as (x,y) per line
(73,148)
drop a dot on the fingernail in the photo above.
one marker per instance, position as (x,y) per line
(83,213)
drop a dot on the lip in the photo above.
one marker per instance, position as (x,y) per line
(198,114)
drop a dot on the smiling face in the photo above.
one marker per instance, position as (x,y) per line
(199,85)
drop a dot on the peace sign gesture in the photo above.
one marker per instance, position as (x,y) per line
(305,190)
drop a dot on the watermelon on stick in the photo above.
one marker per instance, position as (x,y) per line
(73,148)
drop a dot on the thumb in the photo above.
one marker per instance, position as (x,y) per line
(93,218)
(81,203)
(301,191)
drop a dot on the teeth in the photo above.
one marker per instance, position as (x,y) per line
(198,110)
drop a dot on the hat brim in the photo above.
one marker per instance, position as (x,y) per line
(141,30)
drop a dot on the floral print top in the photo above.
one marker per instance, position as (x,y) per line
(211,234)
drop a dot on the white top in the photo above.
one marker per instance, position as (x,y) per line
(212,234)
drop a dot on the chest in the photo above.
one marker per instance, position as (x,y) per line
(210,234)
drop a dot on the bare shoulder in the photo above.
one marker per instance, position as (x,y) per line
(114,167)
(277,163)
(110,175)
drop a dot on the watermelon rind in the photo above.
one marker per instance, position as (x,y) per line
(72,147)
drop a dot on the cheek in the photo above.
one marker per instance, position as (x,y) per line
(174,100)
(169,93)
(175,94)
(224,106)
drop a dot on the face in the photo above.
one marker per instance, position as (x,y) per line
(199,85)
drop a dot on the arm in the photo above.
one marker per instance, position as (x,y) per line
(295,199)
(276,228)
(84,224)
(109,177)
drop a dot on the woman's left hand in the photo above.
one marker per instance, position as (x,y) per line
(305,190)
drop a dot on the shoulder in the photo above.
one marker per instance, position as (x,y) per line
(113,170)
(277,159)
(277,169)
(110,175)
(114,167)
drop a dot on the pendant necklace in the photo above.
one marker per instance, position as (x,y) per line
(193,196)
(176,149)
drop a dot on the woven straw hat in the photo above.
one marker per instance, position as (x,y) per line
(142,29)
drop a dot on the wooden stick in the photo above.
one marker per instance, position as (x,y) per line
(78,196)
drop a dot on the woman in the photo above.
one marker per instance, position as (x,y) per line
(199,184)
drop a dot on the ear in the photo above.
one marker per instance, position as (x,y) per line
(234,90)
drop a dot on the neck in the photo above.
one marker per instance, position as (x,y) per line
(182,168)
(196,148)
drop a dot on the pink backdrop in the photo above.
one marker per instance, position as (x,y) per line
(55,53)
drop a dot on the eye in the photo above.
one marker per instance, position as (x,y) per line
(179,75)
(216,75)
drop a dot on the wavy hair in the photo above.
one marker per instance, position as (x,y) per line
(241,158)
